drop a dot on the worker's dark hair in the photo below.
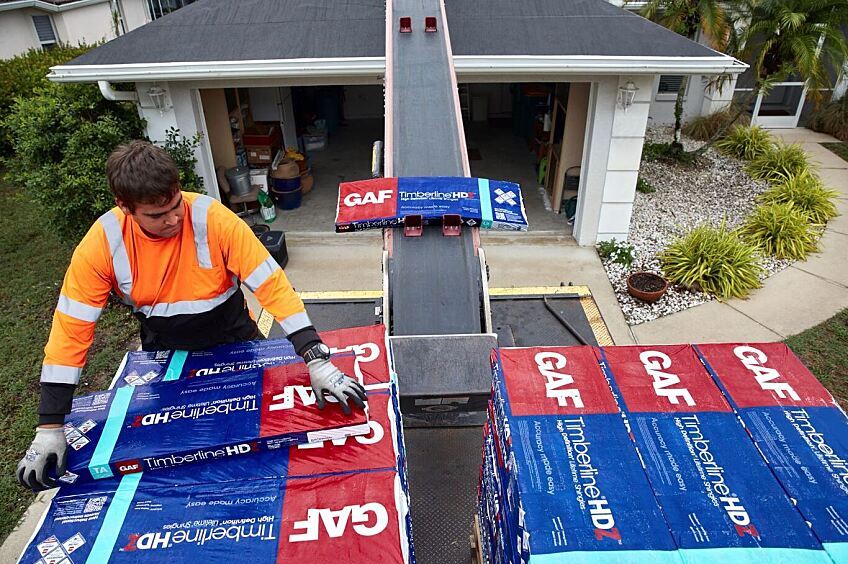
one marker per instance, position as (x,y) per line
(142,173)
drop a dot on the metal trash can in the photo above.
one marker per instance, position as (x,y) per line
(239,180)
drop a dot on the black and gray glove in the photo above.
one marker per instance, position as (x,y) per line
(324,377)
(47,455)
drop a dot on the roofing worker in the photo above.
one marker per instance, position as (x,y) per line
(176,258)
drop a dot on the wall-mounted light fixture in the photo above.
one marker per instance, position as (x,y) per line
(626,95)
(159,97)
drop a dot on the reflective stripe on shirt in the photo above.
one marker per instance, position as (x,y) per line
(199,214)
(78,310)
(120,260)
(261,274)
(295,322)
(60,374)
(165,309)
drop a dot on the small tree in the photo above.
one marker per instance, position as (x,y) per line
(688,17)
(63,136)
(788,38)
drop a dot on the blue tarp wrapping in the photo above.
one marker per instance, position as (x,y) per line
(345,500)
(717,494)
(384,202)
(561,480)
(797,425)
(208,409)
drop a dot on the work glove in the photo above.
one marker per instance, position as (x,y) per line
(46,455)
(324,377)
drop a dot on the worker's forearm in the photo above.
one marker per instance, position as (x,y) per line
(55,403)
(304,339)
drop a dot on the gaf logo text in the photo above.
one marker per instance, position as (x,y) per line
(754,359)
(558,385)
(355,199)
(366,520)
(665,382)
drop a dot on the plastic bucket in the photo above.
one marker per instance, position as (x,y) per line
(288,200)
(285,184)
(239,180)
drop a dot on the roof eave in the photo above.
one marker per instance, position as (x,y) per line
(466,65)
(516,65)
(282,68)
(47,6)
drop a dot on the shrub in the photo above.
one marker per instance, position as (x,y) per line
(63,136)
(807,194)
(704,128)
(182,150)
(745,143)
(715,260)
(781,230)
(644,186)
(779,162)
(832,118)
(617,252)
(24,75)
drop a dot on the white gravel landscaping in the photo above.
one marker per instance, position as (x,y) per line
(715,188)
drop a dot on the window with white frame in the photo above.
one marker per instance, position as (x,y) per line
(159,8)
(45,32)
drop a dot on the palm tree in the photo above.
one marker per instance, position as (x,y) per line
(688,18)
(787,38)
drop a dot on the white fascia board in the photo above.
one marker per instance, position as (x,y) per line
(291,68)
(512,65)
(517,65)
(47,6)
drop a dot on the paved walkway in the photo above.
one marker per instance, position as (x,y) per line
(789,302)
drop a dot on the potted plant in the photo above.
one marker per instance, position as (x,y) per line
(646,286)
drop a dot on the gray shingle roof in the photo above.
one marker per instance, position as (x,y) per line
(245,30)
(560,27)
(248,30)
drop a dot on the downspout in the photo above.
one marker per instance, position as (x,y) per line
(115,95)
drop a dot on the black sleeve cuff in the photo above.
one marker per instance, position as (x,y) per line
(56,400)
(304,339)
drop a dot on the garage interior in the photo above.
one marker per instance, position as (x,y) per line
(516,132)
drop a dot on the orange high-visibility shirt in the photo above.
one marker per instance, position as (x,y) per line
(193,272)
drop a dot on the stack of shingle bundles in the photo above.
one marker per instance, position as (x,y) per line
(346,498)
(717,494)
(798,427)
(561,480)
(367,345)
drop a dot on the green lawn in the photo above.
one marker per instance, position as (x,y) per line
(824,349)
(32,264)
(840,149)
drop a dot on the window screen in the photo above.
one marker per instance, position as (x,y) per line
(44,29)
(670,83)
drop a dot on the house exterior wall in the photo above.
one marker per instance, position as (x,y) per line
(17,33)
(73,25)
(184,111)
(88,24)
(611,160)
(135,13)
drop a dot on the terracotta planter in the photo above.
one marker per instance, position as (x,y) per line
(646,286)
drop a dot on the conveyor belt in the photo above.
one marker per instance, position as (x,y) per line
(426,135)
(435,282)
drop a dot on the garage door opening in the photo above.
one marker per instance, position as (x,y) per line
(531,134)
(332,127)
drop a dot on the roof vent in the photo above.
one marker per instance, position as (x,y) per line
(406,24)
(430,24)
